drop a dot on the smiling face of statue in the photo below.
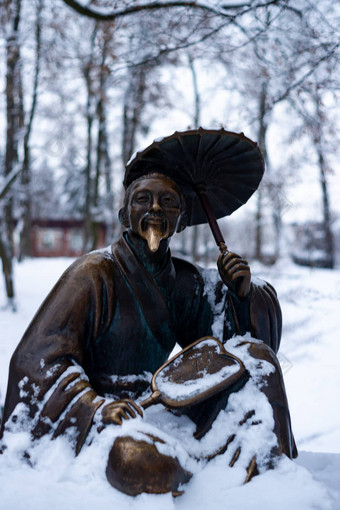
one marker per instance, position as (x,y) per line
(153,209)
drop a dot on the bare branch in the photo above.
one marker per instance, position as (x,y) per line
(36,76)
(171,49)
(6,182)
(311,71)
(102,14)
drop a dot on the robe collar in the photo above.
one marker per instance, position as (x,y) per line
(152,290)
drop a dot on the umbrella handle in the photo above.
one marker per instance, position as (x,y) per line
(223,248)
(216,231)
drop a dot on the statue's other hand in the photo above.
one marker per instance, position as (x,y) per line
(120,410)
(234,444)
(235,273)
(252,469)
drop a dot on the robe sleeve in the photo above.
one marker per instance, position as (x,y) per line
(260,314)
(265,314)
(47,369)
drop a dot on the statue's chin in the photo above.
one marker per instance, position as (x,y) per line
(153,236)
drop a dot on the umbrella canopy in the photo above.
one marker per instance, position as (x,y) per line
(217,170)
(227,166)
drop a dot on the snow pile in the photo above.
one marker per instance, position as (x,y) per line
(59,480)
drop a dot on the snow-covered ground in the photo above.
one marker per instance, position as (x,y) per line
(309,355)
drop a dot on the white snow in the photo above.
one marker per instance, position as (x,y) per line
(309,357)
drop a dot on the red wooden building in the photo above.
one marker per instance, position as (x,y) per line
(61,238)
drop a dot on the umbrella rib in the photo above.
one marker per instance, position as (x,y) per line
(187,153)
(204,163)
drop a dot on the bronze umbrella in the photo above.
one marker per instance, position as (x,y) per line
(217,171)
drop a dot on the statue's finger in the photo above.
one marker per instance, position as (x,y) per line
(239,263)
(222,449)
(231,255)
(136,407)
(238,271)
(229,261)
(112,414)
(246,417)
(118,420)
(113,417)
(234,264)
(251,470)
(126,412)
(108,414)
(235,457)
(241,273)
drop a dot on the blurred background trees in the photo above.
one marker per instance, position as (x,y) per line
(84,85)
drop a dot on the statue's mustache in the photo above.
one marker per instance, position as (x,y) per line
(153,216)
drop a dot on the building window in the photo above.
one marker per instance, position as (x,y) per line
(50,239)
(75,240)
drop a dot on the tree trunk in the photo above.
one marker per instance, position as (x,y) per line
(87,241)
(326,210)
(133,106)
(327,221)
(7,269)
(194,243)
(329,240)
(197,114)
(262,145)
(197,109)
(14,114)
(258,226)
(88,176)
(104,166)
(25,248)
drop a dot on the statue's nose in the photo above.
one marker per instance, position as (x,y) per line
(156,206)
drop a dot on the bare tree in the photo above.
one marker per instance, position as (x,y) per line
(25,246)
(18,132)
(15,122)
(134,104)
(275,60)
(315,123)
(103,170)
(142,73)
(196,123)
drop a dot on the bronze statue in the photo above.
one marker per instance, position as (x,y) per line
(120,311)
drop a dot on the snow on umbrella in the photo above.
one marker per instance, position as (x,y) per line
(217,171)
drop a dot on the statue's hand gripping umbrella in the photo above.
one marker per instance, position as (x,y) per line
(216,170)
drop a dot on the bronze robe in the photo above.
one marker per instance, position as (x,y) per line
(107,318)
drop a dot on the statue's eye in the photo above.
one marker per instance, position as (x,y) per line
(170,200)
(142,198)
